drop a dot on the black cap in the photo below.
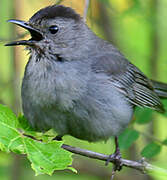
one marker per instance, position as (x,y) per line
(54,11)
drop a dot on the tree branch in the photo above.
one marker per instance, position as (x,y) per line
(141,165)
(86,9)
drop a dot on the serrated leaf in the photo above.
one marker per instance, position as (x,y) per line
(10,137)
(151,150)
(127,138)
(44,156)
(143,115)
(47,157)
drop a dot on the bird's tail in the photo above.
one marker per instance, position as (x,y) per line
(160,89)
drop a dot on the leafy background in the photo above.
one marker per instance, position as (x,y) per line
(138,29)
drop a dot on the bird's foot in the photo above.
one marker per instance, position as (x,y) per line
(116,159)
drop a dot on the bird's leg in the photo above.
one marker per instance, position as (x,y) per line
(58,138)
(116,156)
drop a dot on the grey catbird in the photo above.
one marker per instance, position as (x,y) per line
(77,83)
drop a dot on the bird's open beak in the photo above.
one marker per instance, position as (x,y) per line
(35,34)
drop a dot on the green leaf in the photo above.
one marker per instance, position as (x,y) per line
(127,138)
(143,116)
(10,137)
(151,150)
(47,157)
(8,117)
(23,123)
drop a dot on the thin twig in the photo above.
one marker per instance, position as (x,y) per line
(86,9)
(141,165)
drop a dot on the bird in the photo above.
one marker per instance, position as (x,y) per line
(77,83)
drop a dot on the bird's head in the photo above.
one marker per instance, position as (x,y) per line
(56,30)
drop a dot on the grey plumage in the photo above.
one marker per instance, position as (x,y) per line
(160,89)
(77,83)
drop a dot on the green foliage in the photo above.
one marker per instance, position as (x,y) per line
(165,106)
(10,138)
(45,157)
(106,2)
(127,138)
(143,115)
(135,8)
(151,150)
(165,142)
(23,123)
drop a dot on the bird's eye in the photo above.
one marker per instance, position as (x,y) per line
(53,29)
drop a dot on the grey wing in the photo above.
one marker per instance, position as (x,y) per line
(129,80)
(138,89)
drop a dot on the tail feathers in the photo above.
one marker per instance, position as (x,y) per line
(160,89)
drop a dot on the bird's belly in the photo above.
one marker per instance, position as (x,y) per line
(100,112)
(96,123)
(91,123)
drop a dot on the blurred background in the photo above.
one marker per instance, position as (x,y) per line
(138,29)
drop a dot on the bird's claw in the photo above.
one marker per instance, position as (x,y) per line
(116,158)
